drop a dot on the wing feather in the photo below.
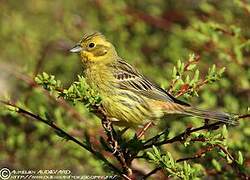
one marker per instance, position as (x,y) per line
(130,79)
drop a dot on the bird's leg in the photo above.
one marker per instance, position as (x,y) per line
(144,129)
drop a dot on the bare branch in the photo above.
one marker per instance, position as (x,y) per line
(182,136)
(198,155)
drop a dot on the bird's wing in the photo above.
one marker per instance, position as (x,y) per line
(130,79)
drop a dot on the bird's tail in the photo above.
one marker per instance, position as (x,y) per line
(206,114)
(212,115)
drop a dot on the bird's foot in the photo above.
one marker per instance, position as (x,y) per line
(144,129)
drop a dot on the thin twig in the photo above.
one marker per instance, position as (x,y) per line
(191,60)
(144,129)
(155,138)
(234,163)
(182,136)
(112,139)
(244,116)
(199,154)
(186,88)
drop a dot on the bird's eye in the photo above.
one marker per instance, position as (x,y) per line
(91,45)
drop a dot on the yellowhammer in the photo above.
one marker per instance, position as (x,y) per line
(128,97)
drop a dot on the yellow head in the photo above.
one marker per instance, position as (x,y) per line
(95,48)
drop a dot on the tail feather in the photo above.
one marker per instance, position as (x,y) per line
(174,108)
(212,115)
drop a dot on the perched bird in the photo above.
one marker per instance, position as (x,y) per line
(128,97)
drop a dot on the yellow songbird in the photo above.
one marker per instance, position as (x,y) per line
(128,97)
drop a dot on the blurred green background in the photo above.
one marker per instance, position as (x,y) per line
(152,35)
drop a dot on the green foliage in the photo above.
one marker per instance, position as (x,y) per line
(167,162)
(214,75)
(186,77)
(48,81)
(79,91)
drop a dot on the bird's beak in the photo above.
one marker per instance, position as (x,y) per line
(77,48)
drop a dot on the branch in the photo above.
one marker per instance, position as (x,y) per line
(191,61)
(182,136)
(244,116)
(66,135)
(199,154)
(234,163)
(113,140)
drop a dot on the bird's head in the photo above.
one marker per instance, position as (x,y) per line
(95,48)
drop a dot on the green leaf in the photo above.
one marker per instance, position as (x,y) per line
(174,73)
(45,75)
(151,156)
(221,71)
(196,75)
(217,165)
(11,108)
(179,64)
(224,131)
(171,159)
(221,153)
(240,158)
(187,80)
(191,67)
(38,80)
(156,152)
